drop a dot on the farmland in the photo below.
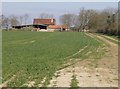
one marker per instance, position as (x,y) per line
(33,56)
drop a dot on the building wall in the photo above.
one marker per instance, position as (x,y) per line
(52,30)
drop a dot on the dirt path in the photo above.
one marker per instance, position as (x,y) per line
(103,73)
(110,38)
(6,82)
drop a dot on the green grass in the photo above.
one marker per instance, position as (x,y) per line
(74,83)
(33,55)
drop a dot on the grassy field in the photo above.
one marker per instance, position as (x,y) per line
(31,56)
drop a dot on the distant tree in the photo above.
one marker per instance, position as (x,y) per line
(5,22)
(98,21)
(91,21)
(25,16)
(87,18)
(21,20)
(9,21)
(107,21)
(14,20)
(68,19)
(82,19)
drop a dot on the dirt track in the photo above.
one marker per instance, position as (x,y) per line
(103,73)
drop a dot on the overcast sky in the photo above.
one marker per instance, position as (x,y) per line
(56,8)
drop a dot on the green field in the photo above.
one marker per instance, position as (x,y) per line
(31,56)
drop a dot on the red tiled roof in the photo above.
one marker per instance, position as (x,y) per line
(44,21)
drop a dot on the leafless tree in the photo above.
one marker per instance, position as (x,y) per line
(14,20)
(92,16)
(82,18)
(21,20)
(87,18)
(68,19)
(108,21)
(25,16)
(24,19)
(5,22)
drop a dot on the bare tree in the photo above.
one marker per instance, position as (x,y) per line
(82,18)
(21,20)
(13,20)
(86,18)
(91,21)
(107,21)
(103,21)
(25,16)
(45,15)
(74,20)
(24,19)
(68,19)
(5,22)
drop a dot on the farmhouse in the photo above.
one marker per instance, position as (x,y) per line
(57,28)
(45,24)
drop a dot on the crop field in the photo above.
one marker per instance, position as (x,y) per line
(32,56)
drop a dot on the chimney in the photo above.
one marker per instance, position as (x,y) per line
(51,20)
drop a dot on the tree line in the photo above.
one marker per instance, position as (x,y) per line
(104,21)
(12,20)
(7,22)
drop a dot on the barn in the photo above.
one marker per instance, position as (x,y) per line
(40,26)
(43,24)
